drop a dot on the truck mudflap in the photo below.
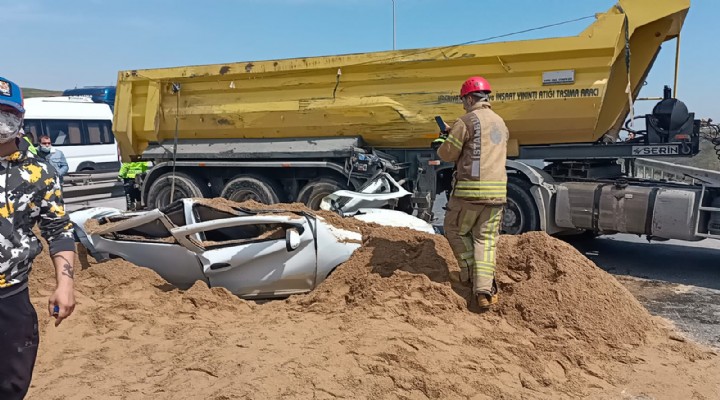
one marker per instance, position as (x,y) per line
(618,207)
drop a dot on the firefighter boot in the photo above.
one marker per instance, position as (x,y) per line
(486,299)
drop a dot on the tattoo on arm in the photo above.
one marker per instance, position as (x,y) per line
(68,270)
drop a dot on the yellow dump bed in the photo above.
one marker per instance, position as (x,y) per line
(559,90)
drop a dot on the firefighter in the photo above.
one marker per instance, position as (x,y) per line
(477,144)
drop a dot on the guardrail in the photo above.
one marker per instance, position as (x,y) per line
(86,187)
(658,170)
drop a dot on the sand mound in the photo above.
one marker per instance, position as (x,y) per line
(389,323)
(553,290)
(394,269)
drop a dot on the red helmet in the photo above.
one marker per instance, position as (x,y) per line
(475,84)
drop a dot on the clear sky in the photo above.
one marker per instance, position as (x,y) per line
(51,44)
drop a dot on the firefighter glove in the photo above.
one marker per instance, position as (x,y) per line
(439,141)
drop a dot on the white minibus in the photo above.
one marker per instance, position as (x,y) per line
(79,127)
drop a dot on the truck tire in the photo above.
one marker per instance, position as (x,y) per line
(520,214)
(185,187)
(314,191)
(251,187)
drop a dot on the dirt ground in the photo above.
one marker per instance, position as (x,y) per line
(388,324)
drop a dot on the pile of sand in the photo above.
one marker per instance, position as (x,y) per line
(387,324)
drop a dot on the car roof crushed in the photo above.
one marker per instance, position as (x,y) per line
(155,225)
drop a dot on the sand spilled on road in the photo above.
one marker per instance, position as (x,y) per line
(388,324)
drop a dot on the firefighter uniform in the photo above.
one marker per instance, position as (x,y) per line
(477,144)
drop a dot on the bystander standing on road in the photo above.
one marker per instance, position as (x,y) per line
(52,156)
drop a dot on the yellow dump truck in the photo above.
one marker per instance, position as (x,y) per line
(299,129)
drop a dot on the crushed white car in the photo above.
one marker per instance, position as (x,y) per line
(252,253)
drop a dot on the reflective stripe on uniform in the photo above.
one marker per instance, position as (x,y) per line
(483,268)
(480,189)
(479,194)
(455,142)
(476,184)
(486,267)
(133,173)
(491,235)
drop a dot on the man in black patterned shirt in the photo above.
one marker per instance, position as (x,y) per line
(29,194)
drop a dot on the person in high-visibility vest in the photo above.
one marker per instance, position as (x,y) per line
(28,145)
(128,172)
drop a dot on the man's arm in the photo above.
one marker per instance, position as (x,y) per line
(64,296)
(57,229)
(62,165)
(451,149)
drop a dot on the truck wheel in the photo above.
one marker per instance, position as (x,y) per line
(314,191)
(185,187)
(521,214)
(251,187)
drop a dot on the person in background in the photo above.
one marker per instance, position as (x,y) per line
(53,156)
(26,144)
(29,195)
(477,144)
(128,172)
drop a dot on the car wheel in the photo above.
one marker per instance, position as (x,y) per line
(186,186)
(520,214)
(251,187)
(314,191)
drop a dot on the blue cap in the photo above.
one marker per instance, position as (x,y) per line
(11,95)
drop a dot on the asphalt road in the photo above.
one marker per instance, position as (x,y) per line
(114,202)
(676,280)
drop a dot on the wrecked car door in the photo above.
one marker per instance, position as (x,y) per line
(146,240)
(256,255)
